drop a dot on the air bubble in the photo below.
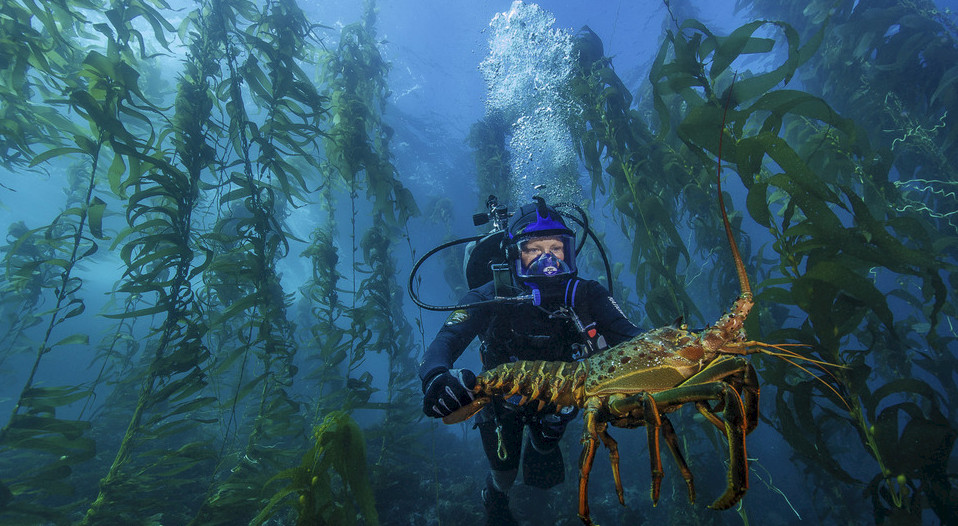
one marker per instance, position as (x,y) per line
(527,73)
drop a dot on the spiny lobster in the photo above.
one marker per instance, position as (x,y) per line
(638,382)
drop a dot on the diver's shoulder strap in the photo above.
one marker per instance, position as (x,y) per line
(577,299)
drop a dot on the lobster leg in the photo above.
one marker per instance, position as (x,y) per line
(734,424)
(750,392)
(653,423)
(613,447)
(708,412)
(735,428)
(746,384)
(590,441)
(670,438)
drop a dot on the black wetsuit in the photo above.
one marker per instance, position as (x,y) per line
(510,332)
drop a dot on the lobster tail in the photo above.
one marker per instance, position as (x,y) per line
(559,383)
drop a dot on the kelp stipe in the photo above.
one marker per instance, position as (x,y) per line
(116,353)
(393,469)
(73,236)
(329,340)
(39,448)
(380,295)
(357,147)
(45,62)
(158,249)
(251,238)
(354,76)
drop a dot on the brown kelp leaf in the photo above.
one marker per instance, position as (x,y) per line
(757,204)
(740,42)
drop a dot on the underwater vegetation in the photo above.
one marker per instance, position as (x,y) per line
(195,186)
(843,249)
(214,395)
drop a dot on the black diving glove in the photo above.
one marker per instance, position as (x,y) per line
(448,391)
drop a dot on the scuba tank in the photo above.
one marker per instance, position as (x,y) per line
(486,260)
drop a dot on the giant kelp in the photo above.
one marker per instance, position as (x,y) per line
(38,46)
(22,288)
(357,147)
(43,445)
(331,341)
(646,179)
(158,249)
(215,362)
(251,239)
(100,88)
(332,471)
(901,55)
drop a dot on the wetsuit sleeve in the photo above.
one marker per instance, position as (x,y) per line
(460,328)
(609,318)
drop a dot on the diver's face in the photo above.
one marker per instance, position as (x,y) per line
(537,246)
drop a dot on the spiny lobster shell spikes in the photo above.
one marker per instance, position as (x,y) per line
(730,328)
(560,383)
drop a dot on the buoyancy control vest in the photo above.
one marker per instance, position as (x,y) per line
(562,330)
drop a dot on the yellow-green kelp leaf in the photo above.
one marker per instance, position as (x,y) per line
(331,481)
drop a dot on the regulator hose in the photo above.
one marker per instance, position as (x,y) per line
(440,308)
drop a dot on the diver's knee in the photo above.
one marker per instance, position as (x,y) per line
(503,480)
(543,442)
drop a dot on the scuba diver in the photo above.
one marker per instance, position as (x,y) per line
(530,306)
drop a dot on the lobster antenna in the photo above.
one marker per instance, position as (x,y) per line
(815,376)
(736,255)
